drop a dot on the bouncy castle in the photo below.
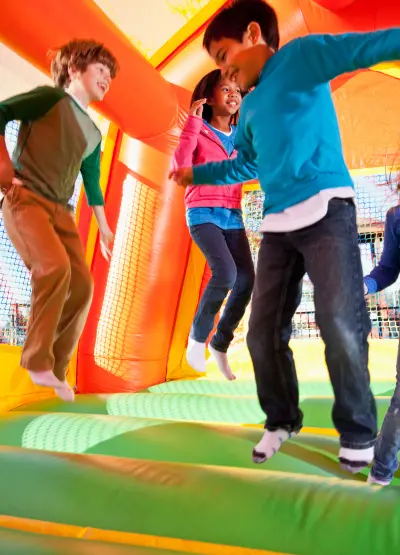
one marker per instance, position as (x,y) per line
(154,458)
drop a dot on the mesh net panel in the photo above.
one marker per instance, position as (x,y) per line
(15,289)
(78,433)
(374,198)
(127,278)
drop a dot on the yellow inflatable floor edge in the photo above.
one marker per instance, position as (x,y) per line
(127,538)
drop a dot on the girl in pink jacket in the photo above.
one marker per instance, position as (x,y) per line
(214,218)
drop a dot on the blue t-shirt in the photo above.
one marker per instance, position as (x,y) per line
(225,218)
(228,141)
(388,269)
(288,133)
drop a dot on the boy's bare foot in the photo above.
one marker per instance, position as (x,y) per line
(46,378)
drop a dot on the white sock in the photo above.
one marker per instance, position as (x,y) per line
(196,355)
(223,364)
(270,444)
(354,460)
(375,481)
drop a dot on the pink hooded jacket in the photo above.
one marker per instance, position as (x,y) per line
(199,145)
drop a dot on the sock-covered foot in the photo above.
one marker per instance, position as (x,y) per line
(377,482)
(46,378)
(270,444)
(223,364)
(196,355)
(354,460)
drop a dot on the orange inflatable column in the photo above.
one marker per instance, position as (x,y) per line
(126,342)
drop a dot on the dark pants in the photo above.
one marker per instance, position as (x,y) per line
(229,257)
(388,443)
(328,251)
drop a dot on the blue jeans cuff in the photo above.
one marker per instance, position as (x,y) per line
(353,445)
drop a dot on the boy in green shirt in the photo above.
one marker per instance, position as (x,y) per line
(57,139)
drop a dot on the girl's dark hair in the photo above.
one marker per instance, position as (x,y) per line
(205,89)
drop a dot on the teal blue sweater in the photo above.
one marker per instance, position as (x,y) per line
(288,134)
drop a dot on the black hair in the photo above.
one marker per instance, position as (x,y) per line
(205,89)
(232,22)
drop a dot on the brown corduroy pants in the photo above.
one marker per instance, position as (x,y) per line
(46,237)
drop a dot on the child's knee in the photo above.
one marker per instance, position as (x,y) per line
(87,287)
(83,287)
(58,271)
(226,276)
(336,331)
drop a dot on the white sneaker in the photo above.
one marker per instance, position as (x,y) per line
(374,481)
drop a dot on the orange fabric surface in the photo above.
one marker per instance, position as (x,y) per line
(47,24)
(369,117)
(147,107)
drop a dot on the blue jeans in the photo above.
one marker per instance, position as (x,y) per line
(229,257)
(388,442)
(328,251)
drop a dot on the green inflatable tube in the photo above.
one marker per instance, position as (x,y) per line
(193,407)
(277,511)
(162,440)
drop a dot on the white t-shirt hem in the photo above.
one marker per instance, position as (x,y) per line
(305,213)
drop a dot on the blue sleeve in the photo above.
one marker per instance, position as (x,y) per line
(329,56)
(388,269)
(235,170)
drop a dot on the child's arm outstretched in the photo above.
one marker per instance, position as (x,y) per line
(388,269)
(90,171)
(235,170)
(332,55)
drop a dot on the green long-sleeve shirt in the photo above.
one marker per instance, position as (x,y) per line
(56,140)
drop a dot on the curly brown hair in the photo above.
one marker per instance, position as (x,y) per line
(79,54)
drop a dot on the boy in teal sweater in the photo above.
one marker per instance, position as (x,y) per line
(57,139)
(288,136)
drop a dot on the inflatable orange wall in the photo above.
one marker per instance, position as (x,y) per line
(146,297)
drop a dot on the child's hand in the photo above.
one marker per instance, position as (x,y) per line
(196,108)
(106,241)
(182,176)
(7,176)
